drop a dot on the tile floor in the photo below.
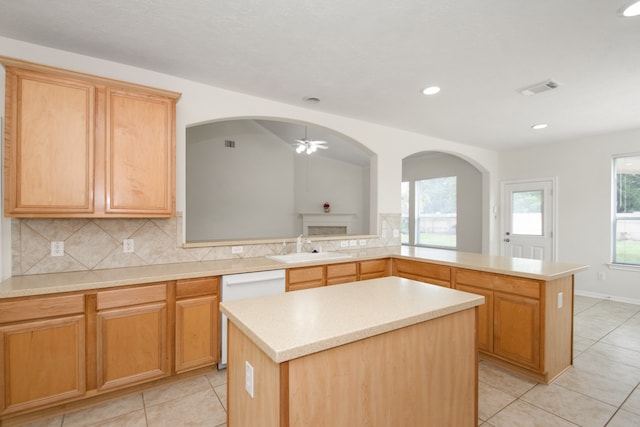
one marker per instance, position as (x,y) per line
(601,389)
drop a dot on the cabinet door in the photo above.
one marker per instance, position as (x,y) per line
(342,273)
(196,332)
(49,144)
(485,317)
(423,272)
(132,345)
(305,278)
(517,329)
(140,153)
(373,269)
(42,362)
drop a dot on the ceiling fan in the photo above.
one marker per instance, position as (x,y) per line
(309,145)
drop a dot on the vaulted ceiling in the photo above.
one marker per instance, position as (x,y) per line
(370,59)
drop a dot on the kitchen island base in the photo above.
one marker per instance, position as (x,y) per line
(420,375)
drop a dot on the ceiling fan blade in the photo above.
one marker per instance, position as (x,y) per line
(322,147)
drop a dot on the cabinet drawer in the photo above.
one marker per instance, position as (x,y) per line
(509,284)
(339,270)
(440,272)
(305,274)
(15,311)
(197,287)
(374,266)
(131,296)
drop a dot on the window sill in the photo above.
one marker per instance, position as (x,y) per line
(624,267)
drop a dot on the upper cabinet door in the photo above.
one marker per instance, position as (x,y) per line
(49,144)
(140,153)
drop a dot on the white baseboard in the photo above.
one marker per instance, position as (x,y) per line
(607,297)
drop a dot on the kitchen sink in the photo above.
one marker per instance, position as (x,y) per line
(307,256)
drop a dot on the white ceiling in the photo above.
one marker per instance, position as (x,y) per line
(370,59)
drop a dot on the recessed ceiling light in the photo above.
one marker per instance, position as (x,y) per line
(630,10)
(431,90)
(539,126)
(311,99)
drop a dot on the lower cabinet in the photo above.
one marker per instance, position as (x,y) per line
(373,269)
(434,274)
(59,349)
(522,325)
(516,333)
(485,316)
(132,344)
(342,273)
(197,323)
(305,277)
(333,274)
(42,343)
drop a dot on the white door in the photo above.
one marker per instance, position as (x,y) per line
(527,219)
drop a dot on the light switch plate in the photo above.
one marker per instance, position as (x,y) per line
(248,378)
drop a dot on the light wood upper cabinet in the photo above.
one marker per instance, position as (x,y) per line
(78,145)
(140,153)
(49,164)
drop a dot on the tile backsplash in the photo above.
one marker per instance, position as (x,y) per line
(92,244)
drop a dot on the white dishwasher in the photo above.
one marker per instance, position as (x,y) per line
(247,285)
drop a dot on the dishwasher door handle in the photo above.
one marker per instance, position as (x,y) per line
(244,278)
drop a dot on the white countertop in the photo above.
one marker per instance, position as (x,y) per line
(299,323)
(40,284)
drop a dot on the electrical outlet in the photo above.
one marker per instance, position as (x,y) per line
(559,299)
(127,246)
(248,378)
(601,275)
(363,242)
(344,243)
(57,248)
(237,249)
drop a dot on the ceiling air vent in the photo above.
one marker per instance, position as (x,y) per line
(228,143)
(539,87)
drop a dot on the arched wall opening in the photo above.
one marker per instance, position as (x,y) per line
(461,231)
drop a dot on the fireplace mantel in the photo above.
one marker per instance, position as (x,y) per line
(330,223)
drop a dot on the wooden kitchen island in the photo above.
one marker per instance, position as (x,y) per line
(380,352)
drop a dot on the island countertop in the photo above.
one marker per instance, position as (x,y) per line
(295,324)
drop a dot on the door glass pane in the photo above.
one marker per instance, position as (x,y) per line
(436,212)
(526,212)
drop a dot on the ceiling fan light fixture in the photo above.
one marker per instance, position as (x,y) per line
(630,10)
(431,90)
